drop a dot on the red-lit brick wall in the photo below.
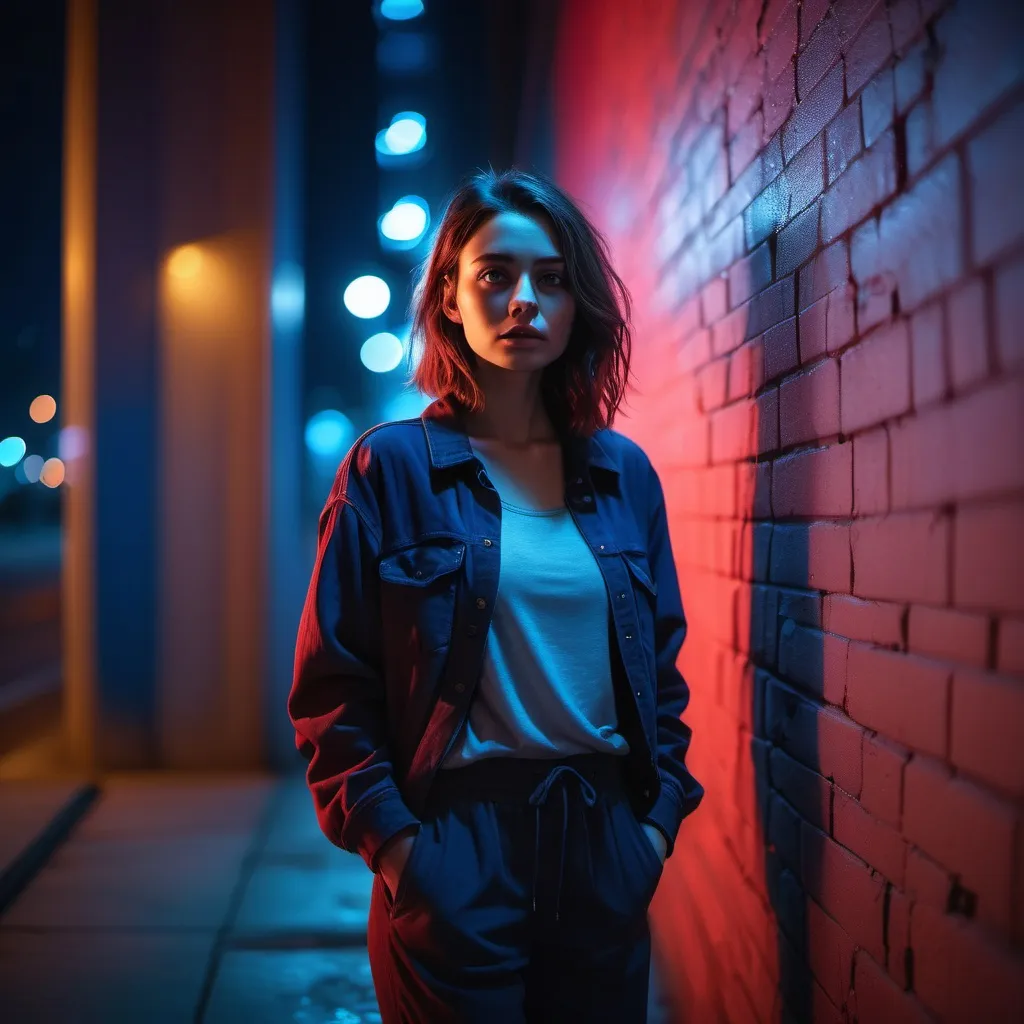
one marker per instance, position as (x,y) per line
(818,210)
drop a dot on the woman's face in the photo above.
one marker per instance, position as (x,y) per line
(511,278)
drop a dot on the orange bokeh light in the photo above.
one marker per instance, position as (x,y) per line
(52,473)
(185,262)
(42,409)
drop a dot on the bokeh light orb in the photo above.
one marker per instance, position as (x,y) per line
(72,443)
(185,262)
(12,449)
(406,134)
(381,353)
(33,466)
(42,409)
(401,10)
(52,473)
(367,297)
(329,433)
(407,220)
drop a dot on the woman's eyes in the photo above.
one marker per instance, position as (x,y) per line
(551,277)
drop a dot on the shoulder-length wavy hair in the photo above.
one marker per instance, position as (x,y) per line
(583,388)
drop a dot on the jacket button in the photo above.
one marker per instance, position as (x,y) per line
(487,542)
(622,595)
(587,498)
(647,792)
(629,636)
(579,479)
(481,603)
(459,687)
(600,547)
(471,630)
(638,693)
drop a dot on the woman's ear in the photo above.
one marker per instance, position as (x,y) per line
(448,305)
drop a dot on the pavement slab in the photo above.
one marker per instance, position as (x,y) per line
(101,977)
(299,987)
(26,809)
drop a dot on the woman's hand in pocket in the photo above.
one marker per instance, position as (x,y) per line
(658,840)
(392,857)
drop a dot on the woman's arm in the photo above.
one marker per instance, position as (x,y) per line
(337,702)
(680,791)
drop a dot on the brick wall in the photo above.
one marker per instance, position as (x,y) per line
(818,209)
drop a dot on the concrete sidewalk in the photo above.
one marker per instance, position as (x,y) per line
(191,900)
(180,899)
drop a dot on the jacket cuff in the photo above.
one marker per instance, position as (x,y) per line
(666,816)
(369,827)
(668,812)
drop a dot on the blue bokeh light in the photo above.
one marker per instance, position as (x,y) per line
(329,433)
(401,10)
(367,297)
(382,352)
(406,134)
(406,222)
(33,467)
(12,449)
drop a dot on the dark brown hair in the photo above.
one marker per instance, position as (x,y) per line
(584,387)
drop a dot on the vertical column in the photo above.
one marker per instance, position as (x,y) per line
(79,275)
(168,256)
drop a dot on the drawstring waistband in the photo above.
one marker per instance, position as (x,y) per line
(537,799)
(529,781)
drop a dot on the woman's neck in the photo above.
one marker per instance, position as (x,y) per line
(513,412)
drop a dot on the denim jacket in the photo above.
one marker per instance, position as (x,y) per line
(393,633)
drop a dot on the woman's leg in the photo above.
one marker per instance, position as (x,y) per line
(452,945)
(592,963)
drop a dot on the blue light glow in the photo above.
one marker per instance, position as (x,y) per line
(367,297)
(381,353)
(406,405)
(329,433)
(288,297)
(401,10)
(406,134)
(33,465)
(406,221)
(11,451)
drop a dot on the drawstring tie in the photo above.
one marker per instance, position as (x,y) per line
(537,799)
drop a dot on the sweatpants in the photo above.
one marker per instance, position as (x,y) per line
(524,899)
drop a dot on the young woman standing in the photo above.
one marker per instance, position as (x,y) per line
(485,680)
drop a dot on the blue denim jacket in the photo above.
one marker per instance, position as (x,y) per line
(393,632)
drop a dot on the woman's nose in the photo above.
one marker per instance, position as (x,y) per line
(522,297)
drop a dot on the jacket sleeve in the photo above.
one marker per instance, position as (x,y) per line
(680,791)
(337,700)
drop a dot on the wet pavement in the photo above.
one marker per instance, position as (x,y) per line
(186,900)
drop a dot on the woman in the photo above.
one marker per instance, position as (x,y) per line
(508,759)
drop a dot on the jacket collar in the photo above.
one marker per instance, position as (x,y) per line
(449,445)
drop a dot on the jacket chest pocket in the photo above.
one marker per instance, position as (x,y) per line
(418,589)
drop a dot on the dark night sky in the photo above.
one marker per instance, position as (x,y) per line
(31,87)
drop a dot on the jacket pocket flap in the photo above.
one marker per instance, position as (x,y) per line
(420,565)
(641,570)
